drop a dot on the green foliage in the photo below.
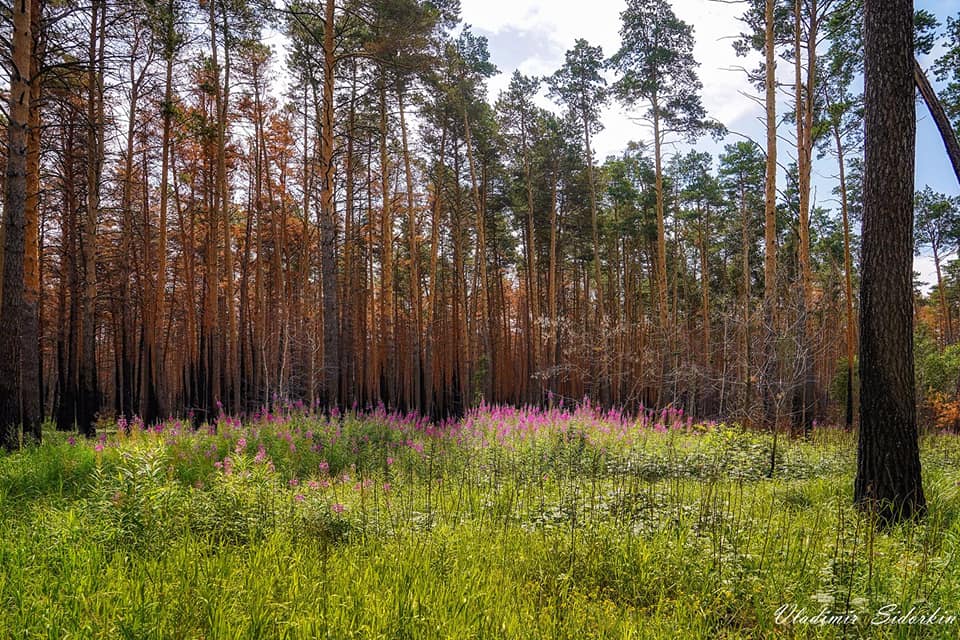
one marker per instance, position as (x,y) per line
(504,525)
(947,69)
(838,385)
(656,67)
(580,86)
(937,371)
(936,222)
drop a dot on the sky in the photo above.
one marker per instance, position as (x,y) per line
(533,35)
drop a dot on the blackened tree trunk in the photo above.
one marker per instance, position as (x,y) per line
(331,322)
(14,223)
(32,302)
(888,460)
(89,395)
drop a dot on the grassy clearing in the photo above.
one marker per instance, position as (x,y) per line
(509,524)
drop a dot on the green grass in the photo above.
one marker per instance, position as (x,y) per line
(377,527)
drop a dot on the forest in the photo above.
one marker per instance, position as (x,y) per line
(376,230)
(306,331)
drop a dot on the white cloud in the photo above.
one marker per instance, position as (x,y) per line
(530,25)
(532,36)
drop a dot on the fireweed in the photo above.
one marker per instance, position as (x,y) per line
(567,522)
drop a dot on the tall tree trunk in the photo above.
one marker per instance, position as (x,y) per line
(944,309)
(89,389)
(32,305)
(416,291)
(661,266)
(432,290)
(705,293)
(770,365)
(552,278)
(354,286)
(888,480)
(125,394)
(533,290)
(804,97)
(157,357)
(745,257)
(14,223)
(847,281)
(598,349)
(483,296)
(331,307)
(387,344)
(212,317)
(222,98)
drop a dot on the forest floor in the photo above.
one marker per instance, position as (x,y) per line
(507,524)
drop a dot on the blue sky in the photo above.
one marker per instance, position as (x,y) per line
(532,36)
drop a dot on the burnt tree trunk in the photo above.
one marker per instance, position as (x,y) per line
(888,460)
(12,312)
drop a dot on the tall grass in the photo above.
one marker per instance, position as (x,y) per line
(508,524)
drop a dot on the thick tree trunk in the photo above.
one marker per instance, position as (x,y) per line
(14,223)
(888,478)
(32,304)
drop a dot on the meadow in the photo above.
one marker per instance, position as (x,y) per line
(511,523)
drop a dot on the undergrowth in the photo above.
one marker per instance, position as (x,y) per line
(507,524)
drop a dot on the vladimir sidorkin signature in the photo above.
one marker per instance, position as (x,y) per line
(885,615)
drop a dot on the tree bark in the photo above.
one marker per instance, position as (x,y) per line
(805,399)
(770,222)
(12,314)
(888,480)
(89,396)
(32,305)
(847,281)
(328,257)
(387,344)
(157,357)
(416,291)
